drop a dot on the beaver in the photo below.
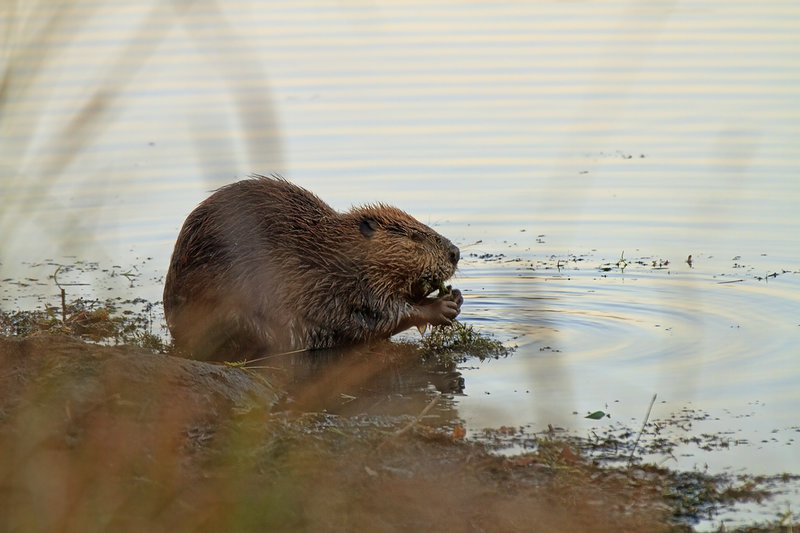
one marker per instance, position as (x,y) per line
(265,266)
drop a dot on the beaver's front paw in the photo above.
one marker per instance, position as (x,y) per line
(455,295)
(439,311)
(442,311)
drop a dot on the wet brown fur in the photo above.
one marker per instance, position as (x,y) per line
(265,265)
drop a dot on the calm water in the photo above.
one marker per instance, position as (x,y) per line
(546,132)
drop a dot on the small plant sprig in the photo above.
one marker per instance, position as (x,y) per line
(460,341)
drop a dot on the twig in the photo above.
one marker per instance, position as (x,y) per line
(411,424)
(639,436)
(243,364)
(63,296)
(301,350)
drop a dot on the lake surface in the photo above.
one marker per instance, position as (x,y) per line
(548,140)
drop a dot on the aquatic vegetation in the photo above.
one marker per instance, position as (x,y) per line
(458,342)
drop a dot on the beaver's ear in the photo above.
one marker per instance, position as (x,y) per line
(368,227)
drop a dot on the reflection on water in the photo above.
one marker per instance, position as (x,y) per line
(385,379)
(560,134)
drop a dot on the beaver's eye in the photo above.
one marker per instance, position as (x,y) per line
(368,227)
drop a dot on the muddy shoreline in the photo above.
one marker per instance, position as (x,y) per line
(119,437)
(103,427)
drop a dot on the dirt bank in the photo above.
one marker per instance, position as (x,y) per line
(119,439)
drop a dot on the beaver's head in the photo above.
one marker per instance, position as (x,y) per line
(401,253)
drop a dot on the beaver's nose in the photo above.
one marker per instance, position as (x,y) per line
(455,254)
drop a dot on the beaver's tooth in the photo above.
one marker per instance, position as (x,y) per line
(422,329)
